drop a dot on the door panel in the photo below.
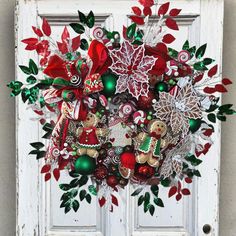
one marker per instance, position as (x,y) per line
(38,211)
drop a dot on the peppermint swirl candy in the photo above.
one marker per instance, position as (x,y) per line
(183,56)
(111,152)
(139,117)
(75,80)
(115,160)
(55,152)
(98,33)
(125,109)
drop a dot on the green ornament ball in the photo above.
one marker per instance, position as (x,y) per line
(109,84)
(161,87)
(194,124)
(85,165)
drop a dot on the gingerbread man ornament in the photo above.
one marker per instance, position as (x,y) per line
(151,143)
(88,136)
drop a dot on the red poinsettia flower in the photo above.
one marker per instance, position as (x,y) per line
(160,52)
(130,63)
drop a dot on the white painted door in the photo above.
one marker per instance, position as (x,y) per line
(38,212)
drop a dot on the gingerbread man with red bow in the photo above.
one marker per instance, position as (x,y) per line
(150,143)
(88,136)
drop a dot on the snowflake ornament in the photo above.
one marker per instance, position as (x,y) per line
(132,66)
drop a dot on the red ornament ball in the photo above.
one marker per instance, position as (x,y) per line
(145,102)
(112,181)
(144,171)
(101,172)
(127,160)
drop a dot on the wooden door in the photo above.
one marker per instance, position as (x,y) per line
(38,212)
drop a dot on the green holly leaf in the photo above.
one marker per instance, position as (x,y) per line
(48,128)
(230,112)
(37,145)
(82,195)
(26,70)
(82,17)
(200,66)
(208,61)
(65,196)
(140,200)
(211,117)
(92,189)
(186,45)
(25,93)
(146,206)
(74,174)
(158,202)
(192,51)
(31,79)
(65,202)
(155,190)
(139,35)
(75,205)
(15,85)
(190,173)
(74,183)
(131,31)
(15,93)
(201,51)
(151,210)
(212,108)
(193,160)
(84,44)
(34,152)
(34,93)
(67,208)
(73,193)
(221,117)
(41,154)
(137,192)
(42,102)
(137,42)
(197,173)
(83,180)
(225,107)
(78,28)
(147,197)
(88,198)
(173,53)
(166,182)
(33,67)
(64,187)
(90,21)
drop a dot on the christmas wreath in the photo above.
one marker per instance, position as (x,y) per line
(122,107)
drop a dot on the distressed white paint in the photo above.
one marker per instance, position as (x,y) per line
(38,212)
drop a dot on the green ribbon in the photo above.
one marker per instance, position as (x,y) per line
(59,83)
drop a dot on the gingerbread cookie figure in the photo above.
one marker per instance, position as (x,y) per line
(88,136)
(151,143)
